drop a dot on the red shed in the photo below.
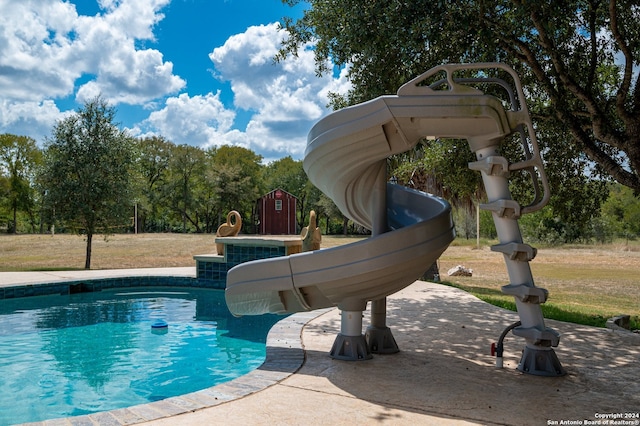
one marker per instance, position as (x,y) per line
(277,213)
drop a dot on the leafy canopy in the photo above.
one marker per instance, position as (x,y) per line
(19,160)
(88,161)
(576,59)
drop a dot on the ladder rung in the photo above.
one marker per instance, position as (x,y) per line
(526,293)
(503,208)
(516,251)
(492,166)
(538,336)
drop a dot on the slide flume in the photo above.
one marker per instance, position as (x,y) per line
(346,159)
(349,274)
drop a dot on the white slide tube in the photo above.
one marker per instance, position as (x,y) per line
(346,159)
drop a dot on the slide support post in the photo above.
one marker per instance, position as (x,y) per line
(379,338)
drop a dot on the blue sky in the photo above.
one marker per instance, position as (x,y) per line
(198,72)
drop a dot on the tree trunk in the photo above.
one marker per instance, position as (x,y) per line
(15,220)
(87,261)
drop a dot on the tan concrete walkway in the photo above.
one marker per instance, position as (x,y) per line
(443,375)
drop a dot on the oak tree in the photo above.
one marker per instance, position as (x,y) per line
(578,61)
(87,165)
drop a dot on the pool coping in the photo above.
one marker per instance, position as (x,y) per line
(284,356)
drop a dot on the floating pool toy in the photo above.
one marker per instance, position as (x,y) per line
(159,326)
(159,323)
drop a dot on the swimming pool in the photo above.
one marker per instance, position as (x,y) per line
(89,352)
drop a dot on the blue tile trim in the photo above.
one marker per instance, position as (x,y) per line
(98,284)
(214,274)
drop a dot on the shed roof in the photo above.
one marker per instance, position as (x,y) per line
(288,194)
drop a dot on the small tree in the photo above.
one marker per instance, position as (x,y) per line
(238,178)
(152,161)
(86,172)
(186,170)
(19,158)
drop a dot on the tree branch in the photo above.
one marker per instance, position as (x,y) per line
(600,128)
(623,91)
(596,154)
(519,49)
(593,65)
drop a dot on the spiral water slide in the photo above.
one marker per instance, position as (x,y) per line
(346,159)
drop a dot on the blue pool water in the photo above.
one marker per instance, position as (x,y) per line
(78,354)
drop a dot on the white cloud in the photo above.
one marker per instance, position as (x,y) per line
(34,119)
(45,47)
(198,120)
(287,98)
(133,77)
(134,18)
(35,49)
(246,60)
(284,99)
(50,54)
(125,74)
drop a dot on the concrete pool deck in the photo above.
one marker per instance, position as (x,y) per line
(443,374)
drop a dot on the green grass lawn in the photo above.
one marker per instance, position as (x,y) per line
(587,284)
